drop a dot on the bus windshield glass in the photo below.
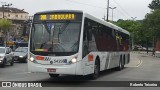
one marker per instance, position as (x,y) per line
(53,36)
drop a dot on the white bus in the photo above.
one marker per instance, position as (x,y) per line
(72,42)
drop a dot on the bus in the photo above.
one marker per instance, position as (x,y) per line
(72,42)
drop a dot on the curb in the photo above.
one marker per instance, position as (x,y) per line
(144,53)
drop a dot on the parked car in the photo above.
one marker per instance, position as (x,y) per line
(20,54)
(142,49)
(6,56)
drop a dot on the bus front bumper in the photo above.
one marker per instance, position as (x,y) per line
(54,69)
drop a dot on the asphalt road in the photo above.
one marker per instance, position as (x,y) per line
(141,68)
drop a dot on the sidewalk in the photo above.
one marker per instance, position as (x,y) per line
(134,61)
(145,53)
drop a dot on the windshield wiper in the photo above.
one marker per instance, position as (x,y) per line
(42,45)
(76,43)
(64,27)
(45,24)
(47,29)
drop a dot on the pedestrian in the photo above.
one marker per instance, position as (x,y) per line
(153,53)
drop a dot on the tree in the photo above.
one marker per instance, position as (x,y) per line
(134,27)
(4,25)
(152,24)
(155,4)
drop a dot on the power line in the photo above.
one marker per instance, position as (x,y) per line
(92,6)
(119,11)
(89,5)
(122,13)
(100,7)
(122,9)
(86,4)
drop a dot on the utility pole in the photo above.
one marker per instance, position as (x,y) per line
(107,10)
(134,18)
(8,5)
(3,9)
(8,34)
(112,11)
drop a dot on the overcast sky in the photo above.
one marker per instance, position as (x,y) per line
(125,8)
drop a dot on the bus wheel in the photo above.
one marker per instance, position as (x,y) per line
(121,66)
(53,75)
(95,75)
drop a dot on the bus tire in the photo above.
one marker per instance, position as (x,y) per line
(121,65)
(95,75)
(54,75)
(128,58)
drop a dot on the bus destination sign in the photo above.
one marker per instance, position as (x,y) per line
(67,16)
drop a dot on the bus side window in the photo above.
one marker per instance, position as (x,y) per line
(89,33)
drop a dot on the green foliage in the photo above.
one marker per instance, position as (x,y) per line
(134,27)
(147,30)
(152,23)
(5,24)
(129,25)
(155,4)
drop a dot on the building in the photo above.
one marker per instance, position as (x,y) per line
(18,18)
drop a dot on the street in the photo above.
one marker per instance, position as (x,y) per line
(141,68)
(80,37)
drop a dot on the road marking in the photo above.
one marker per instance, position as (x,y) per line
(140,63)
(135,64)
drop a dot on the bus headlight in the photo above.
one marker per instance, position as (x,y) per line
(31,59)
(74,60)
(21,56)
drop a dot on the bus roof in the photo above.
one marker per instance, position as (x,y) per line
(88,16)
(63,11)
(106,23)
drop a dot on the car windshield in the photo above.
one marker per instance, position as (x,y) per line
(55,37)
(2,50)
(21,50)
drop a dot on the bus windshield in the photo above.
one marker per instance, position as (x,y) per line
(55,36)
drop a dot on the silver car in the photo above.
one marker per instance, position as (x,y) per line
(20,54)
(6,56)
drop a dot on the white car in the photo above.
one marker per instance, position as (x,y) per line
(142,49)
(6,56)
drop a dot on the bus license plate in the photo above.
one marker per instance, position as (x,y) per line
(51,70)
